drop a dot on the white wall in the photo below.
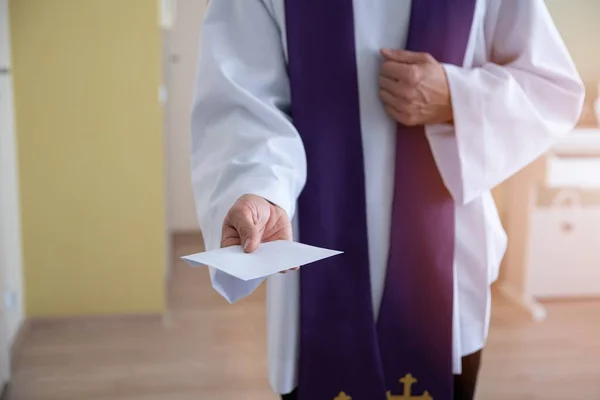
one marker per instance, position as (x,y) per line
(10,230)
(181,46)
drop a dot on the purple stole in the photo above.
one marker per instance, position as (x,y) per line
(344,353)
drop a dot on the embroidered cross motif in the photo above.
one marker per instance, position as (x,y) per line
(342,396)
(408,381)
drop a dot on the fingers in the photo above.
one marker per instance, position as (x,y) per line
(396,115)
(399,109)
(395,71)
(388,84)
(230,237)
(242,227)
(404,66)
(253,220)
(250,235)
(399,79)
(247,236)
(410,75)
(399,98)
(388,99)
(406,56)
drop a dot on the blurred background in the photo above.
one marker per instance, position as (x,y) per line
(96,207)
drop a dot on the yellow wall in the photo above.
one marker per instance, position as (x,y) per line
(89,132)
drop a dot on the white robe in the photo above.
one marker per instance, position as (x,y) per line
(516,95)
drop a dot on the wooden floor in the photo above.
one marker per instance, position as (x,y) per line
(215,351)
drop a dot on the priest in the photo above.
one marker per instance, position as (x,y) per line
(377,128)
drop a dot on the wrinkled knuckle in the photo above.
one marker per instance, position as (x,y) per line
(397,89)
(242,200)
(412,93)
(387,98)
(428,57)
(407,94)
(245,231)
(414,74)
(239,207)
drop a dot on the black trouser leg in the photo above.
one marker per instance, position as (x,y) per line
(291,396)
(464,384)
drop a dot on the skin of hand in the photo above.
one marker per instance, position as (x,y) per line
(414,88)
(253,220)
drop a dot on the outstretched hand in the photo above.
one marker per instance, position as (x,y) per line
(253,220)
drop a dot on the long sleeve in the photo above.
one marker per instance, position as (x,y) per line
(242,139)
(511,109)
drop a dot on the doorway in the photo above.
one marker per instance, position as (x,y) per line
(181,50)
(10,262)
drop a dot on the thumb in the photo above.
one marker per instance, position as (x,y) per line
(250,237)
(406,56)
(249,232)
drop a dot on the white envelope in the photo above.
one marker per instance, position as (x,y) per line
(270,258)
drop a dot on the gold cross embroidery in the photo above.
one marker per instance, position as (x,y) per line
(343,396)
(407,381)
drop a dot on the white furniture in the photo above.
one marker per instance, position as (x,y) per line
(580,142)
(552,218)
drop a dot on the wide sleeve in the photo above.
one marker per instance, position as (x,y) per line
(511,109)
(243,141)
